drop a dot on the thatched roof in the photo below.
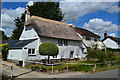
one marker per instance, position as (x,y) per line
(82,32)
(50,28)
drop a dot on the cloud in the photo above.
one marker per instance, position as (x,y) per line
(112,34)
(30,3)
(79,9)
(8,17)
(99,26)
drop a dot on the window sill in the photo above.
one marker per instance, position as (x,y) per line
(32,55)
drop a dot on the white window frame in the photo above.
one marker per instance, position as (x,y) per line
(31,51)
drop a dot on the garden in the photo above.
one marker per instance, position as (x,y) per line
(96,61)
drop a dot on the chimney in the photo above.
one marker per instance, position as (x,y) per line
(27,13)
(105,34)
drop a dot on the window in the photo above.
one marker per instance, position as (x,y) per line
(95,39)
(55,56)
(88,38)
(71,54)
(62,41)
(65,42)
(31,51)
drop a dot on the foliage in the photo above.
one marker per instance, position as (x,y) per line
(19,22)
(4,50)
(3,36)
(49,10)
(100,55)
(48,48)
(113,50)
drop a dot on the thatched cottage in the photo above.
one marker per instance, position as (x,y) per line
(38,30)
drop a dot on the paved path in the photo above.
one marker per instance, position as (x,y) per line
(25,73)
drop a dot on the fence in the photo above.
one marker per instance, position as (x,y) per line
(6,70)
(85,64)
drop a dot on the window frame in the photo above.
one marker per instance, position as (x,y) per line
(31,51)
(60,42)
(88,38)
(71,53)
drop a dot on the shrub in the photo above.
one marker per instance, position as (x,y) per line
(4,50)
(100,55)
(49,49)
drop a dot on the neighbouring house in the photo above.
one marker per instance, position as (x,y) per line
(111,42)
(38,30)
(89,38)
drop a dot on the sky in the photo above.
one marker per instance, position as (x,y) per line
(97,17)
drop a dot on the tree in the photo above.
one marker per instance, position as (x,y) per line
(3,36)
(19,22)
(48,49)
(49,10)
(4,50)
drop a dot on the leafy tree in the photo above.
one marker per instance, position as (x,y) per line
(3,36)
(19,22)
(4,50)
(49,49)
(49,10)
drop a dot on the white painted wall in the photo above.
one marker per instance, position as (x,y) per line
(15,54)
(110,43)
(28,33)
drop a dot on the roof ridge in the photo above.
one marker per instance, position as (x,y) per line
(47,20)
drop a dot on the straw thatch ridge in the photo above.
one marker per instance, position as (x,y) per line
(51,28)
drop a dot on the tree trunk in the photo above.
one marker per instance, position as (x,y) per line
(48,59)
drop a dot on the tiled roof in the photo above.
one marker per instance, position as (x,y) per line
(82,32)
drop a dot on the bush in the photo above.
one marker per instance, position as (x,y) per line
(4,50)
(102,56)
(49,49)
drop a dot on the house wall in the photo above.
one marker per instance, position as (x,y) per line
(28,33)
(64,51)
(15,54)
(110,43)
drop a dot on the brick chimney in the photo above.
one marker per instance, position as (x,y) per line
(27,13)
(105,34)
